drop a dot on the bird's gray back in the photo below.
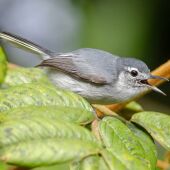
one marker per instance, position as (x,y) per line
(96,57)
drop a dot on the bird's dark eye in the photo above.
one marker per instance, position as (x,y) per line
(134,73)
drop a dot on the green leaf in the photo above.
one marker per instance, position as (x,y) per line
(20,75)
(123,144)
(39,142)
(25,130)
(3,166)
(64,166)
(40,94)
(3,65)
(157,124)
(106,161)
(76,115)
(47,152)
(130,109)
(147,143)
(134,106)
(90,163)
(112,161)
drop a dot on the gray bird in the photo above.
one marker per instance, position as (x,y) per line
(98,76)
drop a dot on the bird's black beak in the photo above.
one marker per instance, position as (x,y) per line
(154,87)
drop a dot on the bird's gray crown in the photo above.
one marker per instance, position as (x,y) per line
(133,63)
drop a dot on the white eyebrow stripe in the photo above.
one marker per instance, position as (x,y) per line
(132,68)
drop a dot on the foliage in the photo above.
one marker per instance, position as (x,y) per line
(17,76)
(43,125)
(159,126)
(3,65)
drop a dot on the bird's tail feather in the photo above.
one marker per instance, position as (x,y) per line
(25,44)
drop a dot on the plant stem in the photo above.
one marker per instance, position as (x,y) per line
(163,165)
(106,111)
(10,65)
(18,168)
(95,127)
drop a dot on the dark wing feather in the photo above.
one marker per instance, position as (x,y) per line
(80,67)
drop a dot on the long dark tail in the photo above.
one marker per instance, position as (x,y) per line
(26,44)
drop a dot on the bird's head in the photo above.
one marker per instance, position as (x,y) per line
(134,74)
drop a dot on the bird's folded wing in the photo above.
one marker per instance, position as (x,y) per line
(79,67)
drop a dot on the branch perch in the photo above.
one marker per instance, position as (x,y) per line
(163,165)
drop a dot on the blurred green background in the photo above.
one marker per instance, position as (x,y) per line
(132,28)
